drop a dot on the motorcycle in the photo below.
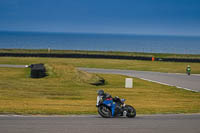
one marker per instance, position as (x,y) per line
(188,73)
(115,107)
(188,70)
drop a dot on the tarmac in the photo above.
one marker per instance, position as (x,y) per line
(95,124)
(191,83)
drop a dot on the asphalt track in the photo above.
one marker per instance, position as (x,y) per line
(184,81)
(13,66)
(96,124)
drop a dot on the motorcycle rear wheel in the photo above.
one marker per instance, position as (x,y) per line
(131,112)
(104,111)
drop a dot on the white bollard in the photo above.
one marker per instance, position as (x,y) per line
(128,83)
(49,50)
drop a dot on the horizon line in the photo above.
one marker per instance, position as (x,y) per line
(100,33)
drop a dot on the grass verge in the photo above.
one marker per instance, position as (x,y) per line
(168,67)
(118,53)
(68,91)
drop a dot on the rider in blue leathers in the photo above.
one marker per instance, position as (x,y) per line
(102,95)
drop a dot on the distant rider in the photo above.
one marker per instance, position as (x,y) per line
(188,69)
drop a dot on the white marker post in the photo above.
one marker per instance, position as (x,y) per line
(128,83)
(49,50)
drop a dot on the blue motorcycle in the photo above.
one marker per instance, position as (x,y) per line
(113,107)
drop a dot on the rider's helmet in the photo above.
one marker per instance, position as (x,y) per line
(100,92)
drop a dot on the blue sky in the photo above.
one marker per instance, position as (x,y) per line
(160,17)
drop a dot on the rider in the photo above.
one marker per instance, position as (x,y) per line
(188,69)
(102,95)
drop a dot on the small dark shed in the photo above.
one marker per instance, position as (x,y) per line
(38,70)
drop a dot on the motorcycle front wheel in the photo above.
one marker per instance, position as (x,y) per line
(104,111)
(131,112)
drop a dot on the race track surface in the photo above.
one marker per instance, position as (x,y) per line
(96,124)
(13,66)
(184,81)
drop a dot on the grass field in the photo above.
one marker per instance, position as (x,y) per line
(168,67)
(157,55)
(68,91)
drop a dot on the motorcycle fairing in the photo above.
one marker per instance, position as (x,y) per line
(111,105)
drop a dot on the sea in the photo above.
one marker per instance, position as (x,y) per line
(101,42)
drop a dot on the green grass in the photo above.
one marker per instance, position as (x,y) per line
(157,55)
(68,91)
(168,67)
